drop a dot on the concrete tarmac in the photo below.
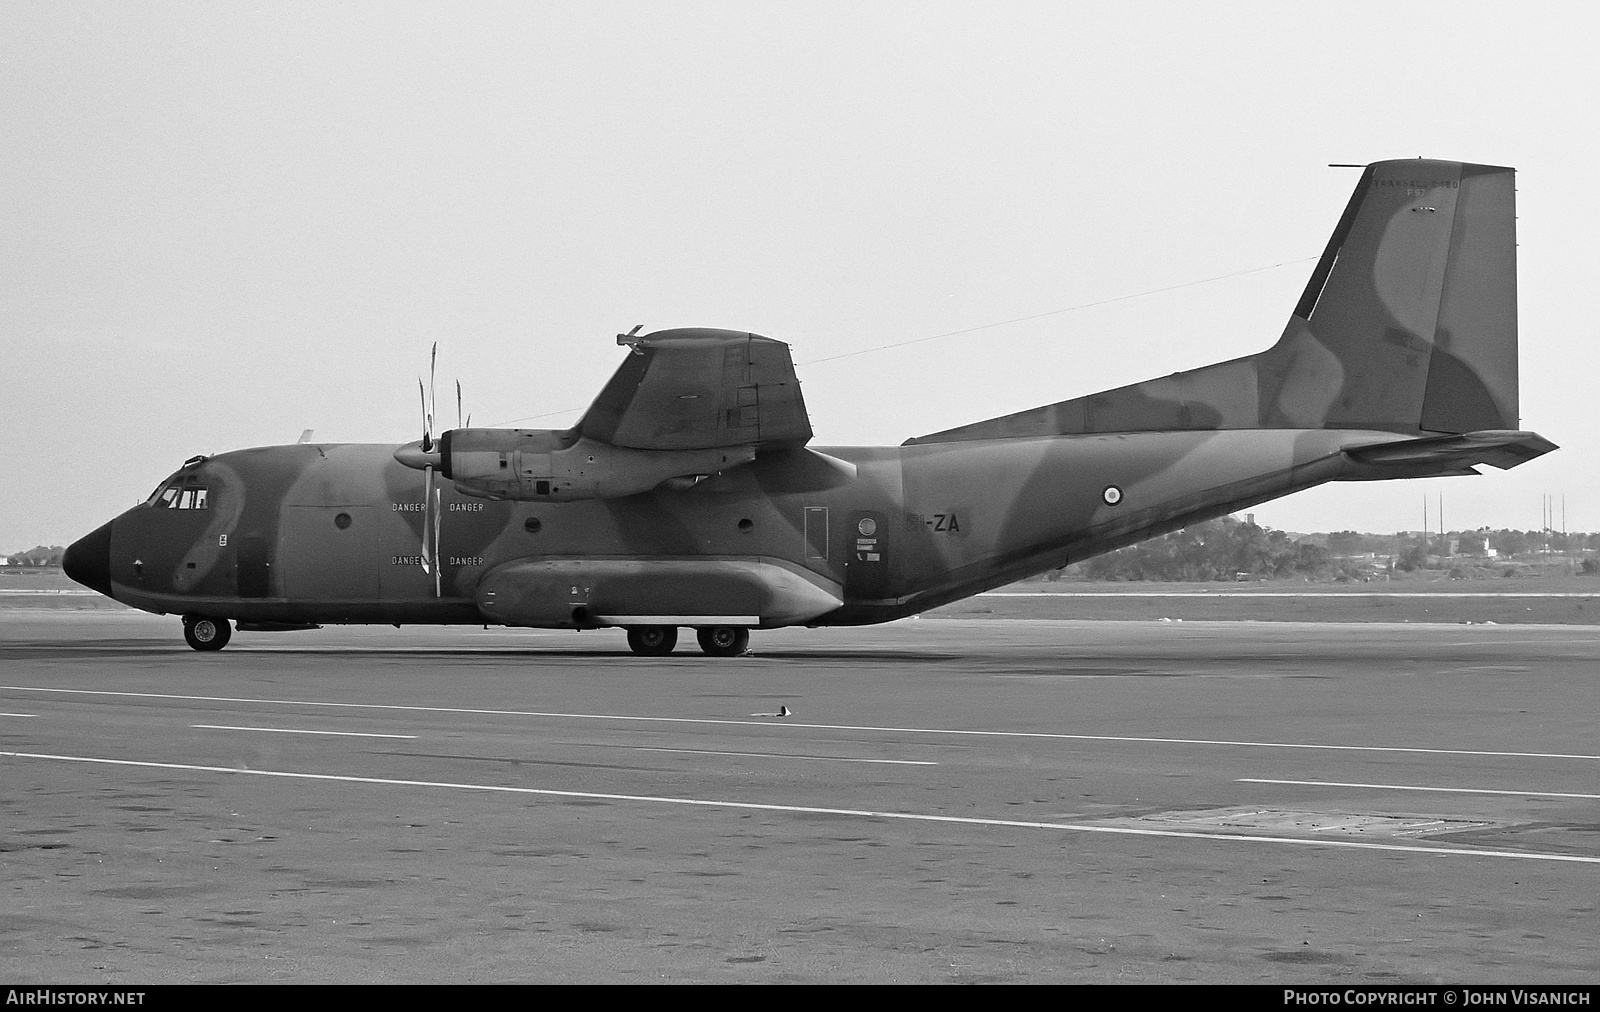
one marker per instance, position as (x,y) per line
(949,800)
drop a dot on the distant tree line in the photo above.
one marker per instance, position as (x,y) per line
(1411,548)
(1508,543)
(1225,549)
(38,557)
(1230,549)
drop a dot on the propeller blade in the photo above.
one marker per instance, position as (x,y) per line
(427,422)
(438,560)
(427,525)
(431,520)
(459,423)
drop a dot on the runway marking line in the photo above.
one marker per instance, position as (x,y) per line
(18,715)
(1403,787)
(291,730)
(721,722)
(1326,595)
(959,820)
(783,755)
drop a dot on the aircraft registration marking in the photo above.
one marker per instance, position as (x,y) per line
(862,813)
(1043,735)
(296,730)
(941,523)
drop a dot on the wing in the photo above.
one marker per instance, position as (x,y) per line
(695,389)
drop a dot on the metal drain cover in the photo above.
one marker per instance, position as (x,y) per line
(1286,822)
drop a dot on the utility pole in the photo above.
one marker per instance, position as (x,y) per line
(1444,532)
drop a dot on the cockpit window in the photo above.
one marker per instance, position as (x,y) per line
(174,497)
(181,491)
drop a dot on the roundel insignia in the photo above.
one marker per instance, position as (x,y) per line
(1112,495)
(868,527)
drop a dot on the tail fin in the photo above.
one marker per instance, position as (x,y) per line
(1409,324)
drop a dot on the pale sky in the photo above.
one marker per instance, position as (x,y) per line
(221,225)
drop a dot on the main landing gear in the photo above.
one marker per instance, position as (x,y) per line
(723,640)
(652,640)
(715,641)
(205,633)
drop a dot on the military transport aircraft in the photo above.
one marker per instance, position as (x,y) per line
(688,494)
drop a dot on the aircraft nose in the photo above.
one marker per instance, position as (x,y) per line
(88,560)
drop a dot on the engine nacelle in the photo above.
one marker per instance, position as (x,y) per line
(560,465)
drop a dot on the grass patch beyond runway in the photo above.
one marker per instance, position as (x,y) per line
(1558,599)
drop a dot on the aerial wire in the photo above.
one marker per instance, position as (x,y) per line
(991,326)
(1055,312)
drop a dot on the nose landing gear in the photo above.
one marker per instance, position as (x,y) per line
(205,633)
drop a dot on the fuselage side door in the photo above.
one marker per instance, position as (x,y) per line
(866,564)
(253,563)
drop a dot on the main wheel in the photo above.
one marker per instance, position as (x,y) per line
(652,640)
(205,633)
(723,640)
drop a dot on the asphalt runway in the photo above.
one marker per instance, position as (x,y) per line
(950,800)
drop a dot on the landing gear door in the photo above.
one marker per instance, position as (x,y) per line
(866,573)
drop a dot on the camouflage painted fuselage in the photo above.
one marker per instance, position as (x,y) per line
(687,495)
(333,533)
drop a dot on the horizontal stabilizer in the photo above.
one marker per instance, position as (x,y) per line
(1444,455)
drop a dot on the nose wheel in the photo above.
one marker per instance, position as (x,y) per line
(204,633)
(723,640)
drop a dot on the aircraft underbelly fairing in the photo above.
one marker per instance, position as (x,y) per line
(748,591)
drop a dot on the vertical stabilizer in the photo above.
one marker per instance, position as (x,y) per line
(1408,324)
(1413,306)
